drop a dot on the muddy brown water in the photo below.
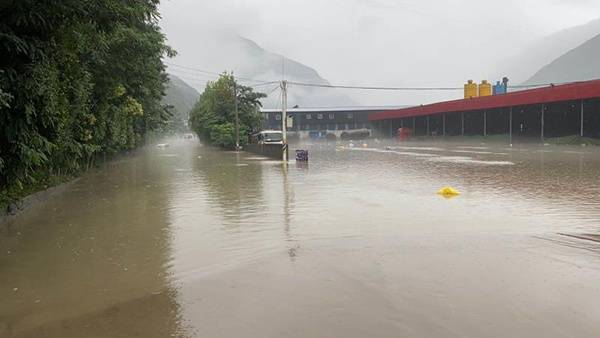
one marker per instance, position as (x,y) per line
(191,242)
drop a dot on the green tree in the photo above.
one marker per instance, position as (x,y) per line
(213,116)
(78,78)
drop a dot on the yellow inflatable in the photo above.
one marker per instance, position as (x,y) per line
(448,192)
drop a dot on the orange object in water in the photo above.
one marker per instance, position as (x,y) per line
(404,134)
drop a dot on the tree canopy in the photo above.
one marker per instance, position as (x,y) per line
(78,78)
(213,116)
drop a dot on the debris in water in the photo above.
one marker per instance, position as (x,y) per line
(302,155)
(163,145)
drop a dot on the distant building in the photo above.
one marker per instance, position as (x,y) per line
(555,111)
(322,120)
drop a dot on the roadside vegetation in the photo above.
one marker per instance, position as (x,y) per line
(213,116)
(78,80)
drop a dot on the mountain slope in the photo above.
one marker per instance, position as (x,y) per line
(523,65)
(249,60)
(579,64)
(182,97)
(265,64)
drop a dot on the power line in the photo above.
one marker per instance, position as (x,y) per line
(215,73)
(303,84)
(266,84)
(279,99)
(542,85)
(190,68)
(203,79)
(273,90)
(199,77)
(355,108)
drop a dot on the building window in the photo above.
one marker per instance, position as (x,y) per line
(331,116)
(308,117)
(319,116)
(267,116)
(278,117)
(350,115)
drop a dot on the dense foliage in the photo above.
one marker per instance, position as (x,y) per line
(78,78)
(213,116)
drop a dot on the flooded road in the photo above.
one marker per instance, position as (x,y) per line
(191,242)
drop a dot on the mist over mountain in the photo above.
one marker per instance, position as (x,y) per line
(529,60)
(254,65)
(580,64)
(181,96)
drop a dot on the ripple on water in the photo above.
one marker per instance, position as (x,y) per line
(478,152)
(470,160)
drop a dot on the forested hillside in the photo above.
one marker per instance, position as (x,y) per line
(181,97)
(78,79)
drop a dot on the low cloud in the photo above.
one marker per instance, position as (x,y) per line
(373,42)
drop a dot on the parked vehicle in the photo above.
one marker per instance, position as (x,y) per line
(268,137)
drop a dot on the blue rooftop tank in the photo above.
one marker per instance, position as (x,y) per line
(499,88)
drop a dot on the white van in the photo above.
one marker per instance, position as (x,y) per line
(269,137)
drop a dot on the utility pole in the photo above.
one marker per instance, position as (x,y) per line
(485,123)
(543,122)
(284,119)
(581,117)
(444,124)
(510,123)
(237,117)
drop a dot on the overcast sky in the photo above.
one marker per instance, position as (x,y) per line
(376,42)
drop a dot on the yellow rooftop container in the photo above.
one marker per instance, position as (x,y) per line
(470,90)
(485,88)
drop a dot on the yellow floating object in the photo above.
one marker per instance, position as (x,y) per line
(448,192)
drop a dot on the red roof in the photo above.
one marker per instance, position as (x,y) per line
(567,92)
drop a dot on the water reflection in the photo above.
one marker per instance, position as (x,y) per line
(94,261)
(288,209)
(233,183)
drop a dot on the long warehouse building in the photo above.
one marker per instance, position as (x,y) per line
(536,114)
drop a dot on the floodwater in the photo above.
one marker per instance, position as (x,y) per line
(190,242)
